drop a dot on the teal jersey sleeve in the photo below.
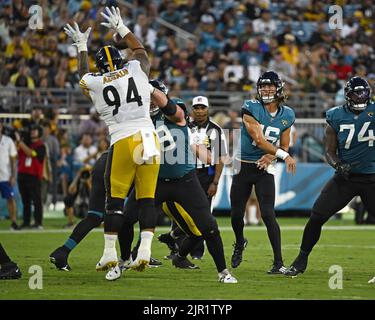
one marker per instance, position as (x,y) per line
(252,108)
(288,118)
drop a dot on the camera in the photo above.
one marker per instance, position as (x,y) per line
(85,174)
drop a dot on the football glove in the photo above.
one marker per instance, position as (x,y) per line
(114,21)
(79,38)
(343,169)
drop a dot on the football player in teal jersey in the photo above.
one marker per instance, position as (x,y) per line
(181,196)
(349,145)
(266,121)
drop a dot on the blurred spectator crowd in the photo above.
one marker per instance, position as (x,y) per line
(230,43)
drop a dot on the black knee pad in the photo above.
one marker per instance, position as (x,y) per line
(114,204)
(147,213)
(113,220)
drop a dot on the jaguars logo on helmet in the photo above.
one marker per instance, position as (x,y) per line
(270,77)
(109,59)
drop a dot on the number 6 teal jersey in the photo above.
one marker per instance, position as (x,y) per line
(355,136)
(272,128)
(176,156)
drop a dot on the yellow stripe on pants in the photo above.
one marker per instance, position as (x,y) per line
(188,219)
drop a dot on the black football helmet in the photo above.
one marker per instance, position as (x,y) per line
(270,77)
(158,84)
(357,94)
(109,59)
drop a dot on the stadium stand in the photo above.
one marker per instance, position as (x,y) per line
(215,48)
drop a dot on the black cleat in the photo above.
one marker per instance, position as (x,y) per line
(277,268)
(170,256)
(237,253)
(298,266)
(59,258)
(292,271)
(183,263)
(154,263)
(14,227)
(10,270)
(169,241)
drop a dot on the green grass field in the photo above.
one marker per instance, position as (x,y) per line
(342,244)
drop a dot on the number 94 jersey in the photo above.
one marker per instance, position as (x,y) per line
(355,137)
(272,128)
(122,98)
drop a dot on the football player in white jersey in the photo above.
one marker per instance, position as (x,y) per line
(120,93)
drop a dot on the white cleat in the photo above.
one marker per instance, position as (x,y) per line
(116,272)
(372,280)
(113,273)
(226,277)
(142,261)
(108,260)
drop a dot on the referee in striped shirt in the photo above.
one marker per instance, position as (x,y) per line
(204,131)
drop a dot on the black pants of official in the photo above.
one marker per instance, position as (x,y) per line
(335,195)
(31,193)
(190,210)
(247,176)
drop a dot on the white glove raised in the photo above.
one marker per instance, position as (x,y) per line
(79,38)
(114,21)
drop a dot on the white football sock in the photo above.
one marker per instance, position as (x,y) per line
(110,241)
(146,240)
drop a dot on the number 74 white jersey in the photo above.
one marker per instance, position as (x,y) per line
(122,99)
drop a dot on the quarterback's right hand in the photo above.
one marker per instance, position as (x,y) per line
(290,165)
(114,21)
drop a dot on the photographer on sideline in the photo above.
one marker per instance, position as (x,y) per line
(80,186)
(8,172)
(31,157)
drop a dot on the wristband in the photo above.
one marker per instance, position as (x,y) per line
(170,108)
(281,154)
(123,31)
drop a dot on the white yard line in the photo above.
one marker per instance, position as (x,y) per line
(227,228)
